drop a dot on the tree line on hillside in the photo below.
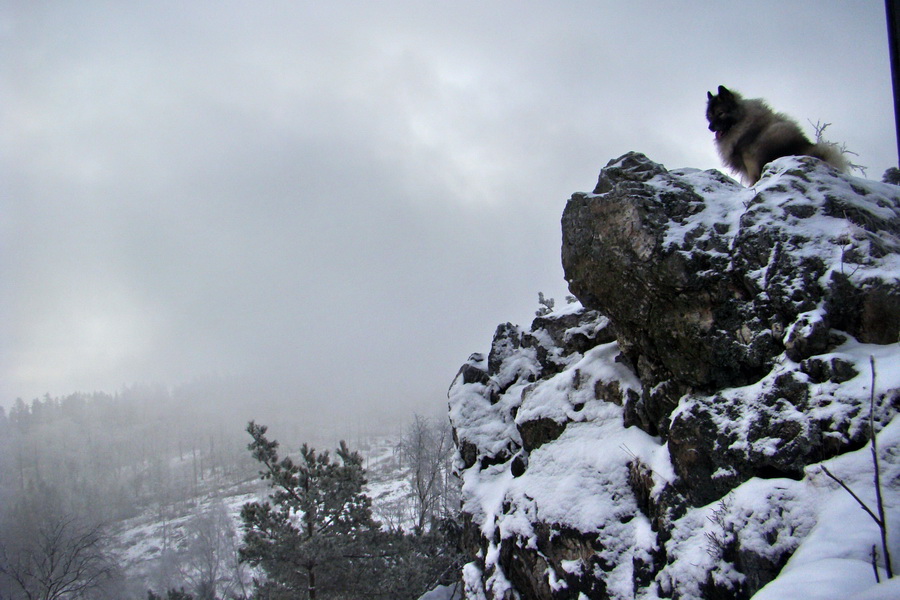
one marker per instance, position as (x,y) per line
(115,454)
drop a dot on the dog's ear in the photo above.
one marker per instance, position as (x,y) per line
(724,91)
(709,96)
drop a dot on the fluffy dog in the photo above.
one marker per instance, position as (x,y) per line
(749,135)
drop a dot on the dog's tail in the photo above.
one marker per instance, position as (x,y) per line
(830,153)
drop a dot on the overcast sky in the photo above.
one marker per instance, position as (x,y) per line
(343,199)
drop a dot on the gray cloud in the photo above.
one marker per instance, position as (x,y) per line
(342,200)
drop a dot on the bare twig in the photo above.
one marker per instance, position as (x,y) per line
(820,128)
(880,518)
(879,501)
(859,501)
(875,563)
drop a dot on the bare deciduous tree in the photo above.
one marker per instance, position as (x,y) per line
(211,564)
(427,448)
(52,556)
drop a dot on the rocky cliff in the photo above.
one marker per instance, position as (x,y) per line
(664,437)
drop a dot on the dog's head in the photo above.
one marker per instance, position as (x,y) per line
(722,110)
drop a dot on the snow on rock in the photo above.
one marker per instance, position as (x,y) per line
(664,436)
(835,559)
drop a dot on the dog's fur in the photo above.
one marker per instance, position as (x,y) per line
(749,135)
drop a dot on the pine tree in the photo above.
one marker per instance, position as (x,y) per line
(308,535)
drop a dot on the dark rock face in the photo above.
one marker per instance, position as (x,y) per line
(667,305)
(701,294)
(719,345)
(787,425)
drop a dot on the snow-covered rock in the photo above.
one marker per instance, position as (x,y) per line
(665,436)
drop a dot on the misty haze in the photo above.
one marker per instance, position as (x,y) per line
(225,226)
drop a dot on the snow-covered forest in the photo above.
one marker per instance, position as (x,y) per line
(139,494)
